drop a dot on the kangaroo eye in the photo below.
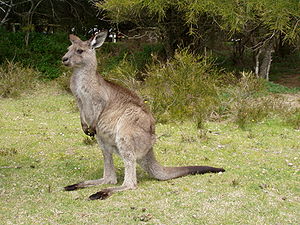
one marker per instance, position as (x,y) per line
(79,51)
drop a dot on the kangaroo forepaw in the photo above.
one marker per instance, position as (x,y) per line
(104,194)
(90,132)
(73,187)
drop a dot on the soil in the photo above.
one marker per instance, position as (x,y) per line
(289,80)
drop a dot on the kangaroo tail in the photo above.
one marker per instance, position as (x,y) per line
(150,164)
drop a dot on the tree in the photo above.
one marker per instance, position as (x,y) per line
(5,8)
(27,18)
(256,23)
(32,14)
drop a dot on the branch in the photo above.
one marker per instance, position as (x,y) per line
(7,12)
(149,30)
(262,43)
(20,3)
(52,9)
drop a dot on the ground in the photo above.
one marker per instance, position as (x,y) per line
(43,149)
(290,80)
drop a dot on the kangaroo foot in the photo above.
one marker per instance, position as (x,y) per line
(103,194)
(89,183)
(73,187)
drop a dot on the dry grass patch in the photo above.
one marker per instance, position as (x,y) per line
(15,79)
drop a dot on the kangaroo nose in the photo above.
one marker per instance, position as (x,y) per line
(64,59)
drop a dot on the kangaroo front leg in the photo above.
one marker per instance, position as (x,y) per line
(109,174)
(91,130)
(130,180)
(88,130)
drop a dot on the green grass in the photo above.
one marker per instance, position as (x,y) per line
(42,149)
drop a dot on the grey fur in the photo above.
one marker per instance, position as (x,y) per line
(118,118)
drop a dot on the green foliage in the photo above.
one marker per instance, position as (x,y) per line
(184,87)
(190,87)
(249,85)
(125,73)
(111,55)
(144,56)
(14,79)
(230,15)
(43,53)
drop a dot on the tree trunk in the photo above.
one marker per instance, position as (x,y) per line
(238,51)
(263,59)
(27,38)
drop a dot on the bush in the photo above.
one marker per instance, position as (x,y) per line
(250,100)
(252,110)
(125,74)
(45,51)
(190,87)
(14,79)
(184,87)
(293,118)
(63,81)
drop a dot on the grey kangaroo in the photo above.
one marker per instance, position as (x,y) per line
(119,120)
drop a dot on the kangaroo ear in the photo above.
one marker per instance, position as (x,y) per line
(73,38)
(98,40)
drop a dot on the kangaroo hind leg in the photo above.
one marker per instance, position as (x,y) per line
(127,152)
(109,174)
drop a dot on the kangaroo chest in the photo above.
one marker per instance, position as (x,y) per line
(93,108)
(86,101)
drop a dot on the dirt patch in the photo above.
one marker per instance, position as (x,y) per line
(289,80)
(293,100)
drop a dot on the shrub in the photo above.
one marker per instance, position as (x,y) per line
(244,100)
(125,74)
(252,110)
(293,118)
(64,81)
(15,78)
(184,87)
(248,100)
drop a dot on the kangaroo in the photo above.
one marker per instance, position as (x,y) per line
(119,120)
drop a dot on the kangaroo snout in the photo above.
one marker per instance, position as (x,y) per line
(65,61)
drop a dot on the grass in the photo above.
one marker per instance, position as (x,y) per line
(42,149)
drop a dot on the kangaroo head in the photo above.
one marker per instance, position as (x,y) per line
(81,53)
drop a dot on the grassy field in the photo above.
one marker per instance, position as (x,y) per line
(42,149)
